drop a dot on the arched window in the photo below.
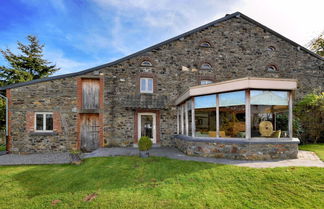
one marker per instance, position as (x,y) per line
(272,68)
(205,44)
(205,66)
(271,48)
(146,63)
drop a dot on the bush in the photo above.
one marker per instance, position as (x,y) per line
(145,143)
(310,113)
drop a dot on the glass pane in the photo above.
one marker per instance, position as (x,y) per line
(204,82)
(150,84)
(189,122)
(205,119)
(232,98)
(49,122)
(259,97)
(269,121)
(147,126)
(39,122)
(232,121)
(205,101)
(143,84)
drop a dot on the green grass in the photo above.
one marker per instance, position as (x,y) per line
(317,148)
(2,147)
(132,182)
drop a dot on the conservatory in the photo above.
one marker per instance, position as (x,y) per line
(248,118)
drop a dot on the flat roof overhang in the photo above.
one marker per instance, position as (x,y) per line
(239,84)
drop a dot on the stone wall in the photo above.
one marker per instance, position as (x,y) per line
(238,49)
(238,149)
(57,96)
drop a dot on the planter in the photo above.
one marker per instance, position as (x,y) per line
(144,154)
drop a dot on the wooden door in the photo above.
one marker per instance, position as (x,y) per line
(90,93)
(89,132)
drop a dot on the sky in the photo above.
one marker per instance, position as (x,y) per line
(79,34)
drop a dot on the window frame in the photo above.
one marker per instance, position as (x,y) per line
(146,90)
(44,121)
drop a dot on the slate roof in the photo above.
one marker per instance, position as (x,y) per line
(227,17)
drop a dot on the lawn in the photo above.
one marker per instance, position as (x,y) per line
(2,147)
(132,182)
(317,148)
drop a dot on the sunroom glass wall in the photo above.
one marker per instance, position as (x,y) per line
(232,114)
(269,113)
(205,116)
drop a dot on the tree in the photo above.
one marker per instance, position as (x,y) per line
(310,112)
(317,45)
(26,66)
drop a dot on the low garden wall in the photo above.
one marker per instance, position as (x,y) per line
(241,149)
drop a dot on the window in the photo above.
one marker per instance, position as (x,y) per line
(205,44)
(205,116)
(205,82)
(146,85)
(232,114)
(269,113)
(146,63)
(44,122)
(272,68)
(205,66)
(271,48)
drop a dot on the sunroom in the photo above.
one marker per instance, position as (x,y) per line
(228,119)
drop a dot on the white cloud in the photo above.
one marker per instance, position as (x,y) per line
(67,65)
(298,20)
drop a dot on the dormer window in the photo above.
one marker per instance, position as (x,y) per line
(205,82)
(272,68)
(205,66)
(205,44)
(146,63)
(271,48)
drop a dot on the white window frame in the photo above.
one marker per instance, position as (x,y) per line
(146,90)
(205,82)
(44,121)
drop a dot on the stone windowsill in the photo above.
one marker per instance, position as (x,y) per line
(43,133)
(239,140)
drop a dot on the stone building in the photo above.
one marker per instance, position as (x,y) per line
(113,104)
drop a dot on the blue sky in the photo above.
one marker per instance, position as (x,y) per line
(80,34)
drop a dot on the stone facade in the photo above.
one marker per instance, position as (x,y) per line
(238,149)
(239,48)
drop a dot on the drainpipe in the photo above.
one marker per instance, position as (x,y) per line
(6,113)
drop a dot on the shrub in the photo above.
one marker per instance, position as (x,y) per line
(145,143)
(310,112)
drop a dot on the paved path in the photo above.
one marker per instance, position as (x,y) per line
(35,159)
(305,158)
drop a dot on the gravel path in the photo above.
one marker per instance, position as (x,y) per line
(35,159)
(305,158)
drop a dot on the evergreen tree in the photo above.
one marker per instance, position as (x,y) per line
(26,66)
